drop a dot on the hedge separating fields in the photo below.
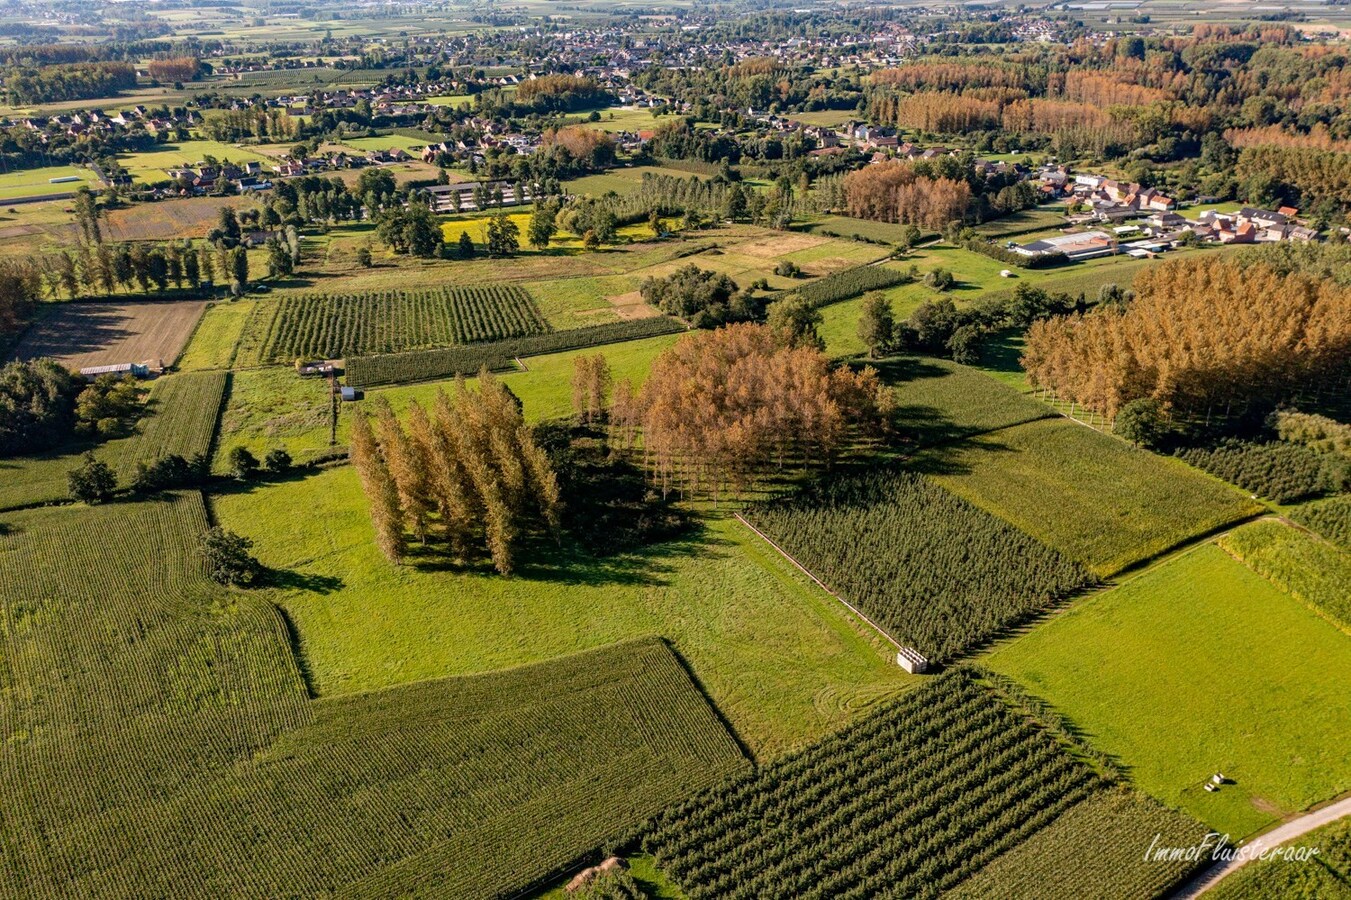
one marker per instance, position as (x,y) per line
(161,740)
(911,802)
(399,368)
(849,283)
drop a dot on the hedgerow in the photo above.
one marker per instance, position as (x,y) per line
(936,572)
(332,326)
(395,368)
(850,283)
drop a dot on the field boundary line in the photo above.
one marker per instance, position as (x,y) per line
(808,572)
(1282,834)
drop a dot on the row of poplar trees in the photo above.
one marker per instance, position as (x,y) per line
(1200,337)
(467,471)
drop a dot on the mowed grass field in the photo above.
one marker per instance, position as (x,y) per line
(1200,665)
(37,182)
(782,660)
(1091,496)
(213,342)
(275,407)
(939,400)
(159,732)
(153,166)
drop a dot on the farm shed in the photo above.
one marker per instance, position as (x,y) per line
(351,393)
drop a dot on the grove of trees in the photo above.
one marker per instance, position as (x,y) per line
(721,407)
(467,472)
(1200,337)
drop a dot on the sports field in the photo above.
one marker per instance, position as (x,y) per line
(38,182)
(1240,677)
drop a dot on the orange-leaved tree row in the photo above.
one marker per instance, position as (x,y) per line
(590,387)
(468,470)
(1200,336)
(720,407)
(892,192)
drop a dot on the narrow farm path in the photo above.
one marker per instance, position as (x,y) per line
(1282,834)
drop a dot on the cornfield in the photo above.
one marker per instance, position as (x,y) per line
(334,326)
(181,419)
(160,740)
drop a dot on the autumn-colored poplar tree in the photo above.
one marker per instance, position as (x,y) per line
(1200,336)
(590,387)
(470,471)
(373,470)
(721,406)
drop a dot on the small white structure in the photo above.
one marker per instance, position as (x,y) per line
(139,370)
(1005,273)
(909,658)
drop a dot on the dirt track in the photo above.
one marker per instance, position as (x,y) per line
(99,334)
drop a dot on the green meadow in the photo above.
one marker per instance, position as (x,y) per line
(1196,666)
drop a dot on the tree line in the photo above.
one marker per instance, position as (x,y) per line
(467,473)
(1200,337)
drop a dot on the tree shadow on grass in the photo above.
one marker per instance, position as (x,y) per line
(290,579)
(542,560)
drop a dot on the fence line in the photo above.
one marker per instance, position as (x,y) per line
(788,556)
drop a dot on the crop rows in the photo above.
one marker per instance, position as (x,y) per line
(934,571)
(334,326)
(1331,518)
(1090,496)
(1096,849)
(1279,471)
(849,283)
(907,803)
(397,368)
(160,742)
(1314,571)
(181,419)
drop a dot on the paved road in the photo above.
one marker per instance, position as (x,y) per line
(1283,834)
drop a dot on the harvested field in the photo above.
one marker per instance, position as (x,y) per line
(99,334)
(187,217)
(631,306)
(779,244)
